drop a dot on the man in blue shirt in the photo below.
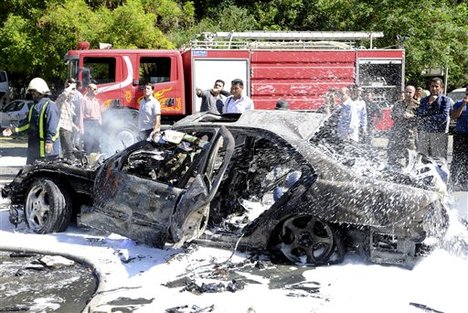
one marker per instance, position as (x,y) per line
(459,166)
(348,123)
(433,121)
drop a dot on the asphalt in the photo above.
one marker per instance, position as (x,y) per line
(25,282)
(30,284)
(15,146)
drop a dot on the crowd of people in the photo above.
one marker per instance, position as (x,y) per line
(56,128)
(421,123)
(74,121)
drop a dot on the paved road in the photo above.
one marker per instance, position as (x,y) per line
(32,284)
(11,147)
(26,283)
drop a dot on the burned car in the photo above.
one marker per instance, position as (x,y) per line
(266,181)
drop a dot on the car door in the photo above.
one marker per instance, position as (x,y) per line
(191,215)
(137,192)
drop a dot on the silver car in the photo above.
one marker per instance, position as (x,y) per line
(13,112)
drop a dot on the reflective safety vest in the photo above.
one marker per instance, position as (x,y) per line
(42,117)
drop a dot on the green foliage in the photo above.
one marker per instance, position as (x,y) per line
(225,16)
(129,26)
(17,45)
(438,30)
(35,34)
(436,38)
(229,17)
(35,41)
(278,14)
(171,15)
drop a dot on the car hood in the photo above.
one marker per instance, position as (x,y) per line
(291,125)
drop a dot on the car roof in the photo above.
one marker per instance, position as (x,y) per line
(287,124)
(15,102)
(457,94)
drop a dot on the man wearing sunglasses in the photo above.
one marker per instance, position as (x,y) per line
(91,120)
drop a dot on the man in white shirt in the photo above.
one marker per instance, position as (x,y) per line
(348,123)
(149,119)
(360,104)
(237,103)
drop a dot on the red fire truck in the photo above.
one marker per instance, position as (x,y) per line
(300,67)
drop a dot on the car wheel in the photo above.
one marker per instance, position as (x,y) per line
(48,208)
(307,240)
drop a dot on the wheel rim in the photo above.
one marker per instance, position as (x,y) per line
(37,207)
(306,240)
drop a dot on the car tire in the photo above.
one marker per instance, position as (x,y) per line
(48,207)
(304,239)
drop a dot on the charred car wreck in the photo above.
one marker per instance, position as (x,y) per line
(269,181)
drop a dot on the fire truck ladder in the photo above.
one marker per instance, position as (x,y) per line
(283,40)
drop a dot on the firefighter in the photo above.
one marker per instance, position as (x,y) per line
(41,124)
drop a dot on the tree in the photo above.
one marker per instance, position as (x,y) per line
(171,15)
(35,41)
(225,16)
(437,29)
(129,26)
(35,34)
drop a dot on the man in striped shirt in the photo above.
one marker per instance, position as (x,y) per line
(66,125)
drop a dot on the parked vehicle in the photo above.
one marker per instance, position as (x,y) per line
(4,88)
(457,94)
(14,112)
(299,67)
(268,181)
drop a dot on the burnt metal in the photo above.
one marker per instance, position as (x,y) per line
(207,173)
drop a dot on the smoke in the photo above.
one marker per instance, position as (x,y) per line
(119,130)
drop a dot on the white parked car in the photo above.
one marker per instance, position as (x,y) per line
(14,112)
(457,94)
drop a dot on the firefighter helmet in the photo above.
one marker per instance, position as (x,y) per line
(39,85)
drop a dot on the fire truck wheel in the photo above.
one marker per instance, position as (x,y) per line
(126,137)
